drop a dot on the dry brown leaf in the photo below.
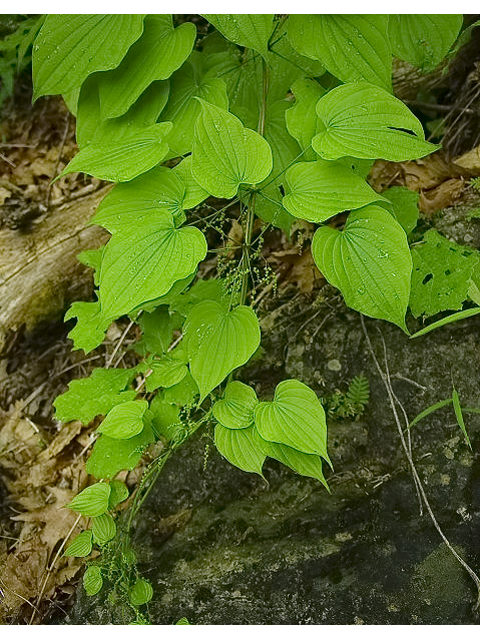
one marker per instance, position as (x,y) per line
(64,437)
(470,160)
(443,196)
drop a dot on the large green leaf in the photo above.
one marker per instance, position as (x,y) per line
(94,395)
(250,30)
(306,464)
(369,262)
(352,47)
(241,447)
(423,40)
(92,501)
(365,121)
(124,420)
(159,188)
(109,456)
(159,52)
(226,154)
(219,341)
(442,272)
(302,120)
(318,190)
(192,80)
(285,149)
(145,260)
(235,409)
(125,157)
(70,48)
(295,417)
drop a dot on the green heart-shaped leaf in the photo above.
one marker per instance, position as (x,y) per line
(92,501)
(223,339)
(144,261)
(241,447)
(125,420)
(365,121)
(369,262)
(226,154)
(295,418)
(235,409)
(92,580)
(81,546)
(104,529)
(319,190)
(306,464)
(246,29)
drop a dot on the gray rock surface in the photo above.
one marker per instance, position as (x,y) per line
(224,547)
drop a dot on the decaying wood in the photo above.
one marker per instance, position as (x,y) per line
(39,273)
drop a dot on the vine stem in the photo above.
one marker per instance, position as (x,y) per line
(419,485)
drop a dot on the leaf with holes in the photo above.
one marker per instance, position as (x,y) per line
(318,190)
(223,339)
(226,154)
(369,262)
(441,275)
(144,261)
(352,48)
(423,40)
(161,50)
(65,52)
(94,395)
(295,418)
(125,157)
(252,31)
(365,121)
(92,501)
(125,420)
(81,546)
(235,409)
(104,529)
(241,447)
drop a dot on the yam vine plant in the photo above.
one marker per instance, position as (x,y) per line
(279,118)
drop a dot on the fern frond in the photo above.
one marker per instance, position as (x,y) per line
(359,391)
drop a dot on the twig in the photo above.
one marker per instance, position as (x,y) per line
(391,398)
(119,344)
(59,157)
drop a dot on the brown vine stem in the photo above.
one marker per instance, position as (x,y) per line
(392,399)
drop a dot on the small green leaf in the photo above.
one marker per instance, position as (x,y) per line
(318,190)
(235,410)
(226,154)
(302,120)
(306,464)
(194,193)
(202,290)
(166,418)
(405,206)
(118,493)
(144,261)
(223,339)
(95,395)
(92,501)
(159,52)
(352,47)
(441,275)
(459,415)
(168,371)
(104,529)
(141,592)
(369,262)
(92,580)
(109,456)
(241,447)
(295,418)
(81,546)
(68,49)
(268,207)
(125,420)
(191,81)
(157,331)
(248,30)
(183,621)
(423,40)
(365,121)
(89,331)
(125,157)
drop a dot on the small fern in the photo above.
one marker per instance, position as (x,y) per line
(340,405)
(475,183)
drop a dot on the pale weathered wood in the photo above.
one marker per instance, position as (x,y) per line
(39,273)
